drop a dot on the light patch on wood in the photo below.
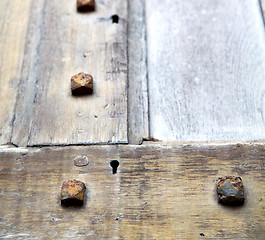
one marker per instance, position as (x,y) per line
(158,192)
(206,70)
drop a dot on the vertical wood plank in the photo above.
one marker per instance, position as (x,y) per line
(138,122)
(29,74)
(14,17)
(70,42)
(206,67)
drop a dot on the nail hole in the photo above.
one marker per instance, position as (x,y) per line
(114,164)
(81,161)
(115,18)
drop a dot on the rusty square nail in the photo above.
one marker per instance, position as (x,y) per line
(73,192)
(85,5)
(230,190)
(81,84)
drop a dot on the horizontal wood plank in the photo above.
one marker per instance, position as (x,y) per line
(159,192)
(206,68)
(61,43)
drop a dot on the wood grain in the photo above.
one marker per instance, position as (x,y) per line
(13,28)
(138,122)
(61,43)
(159,192)
(206,68)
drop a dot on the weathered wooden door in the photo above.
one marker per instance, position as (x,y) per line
(178,100)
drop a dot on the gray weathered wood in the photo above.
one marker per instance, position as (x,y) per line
(29,74)
(14,16)
(206,68)
(138,122)
(159,192)
(61,43)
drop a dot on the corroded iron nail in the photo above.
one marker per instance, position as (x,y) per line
(230,190)
(81,161)
(85,5)
(81,84)
(73,193)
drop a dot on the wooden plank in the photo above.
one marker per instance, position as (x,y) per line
(138,122)
(13,28)
(206,68)
(159,192)
(65,43)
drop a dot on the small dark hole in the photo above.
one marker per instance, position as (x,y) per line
(114,164)
(115,18)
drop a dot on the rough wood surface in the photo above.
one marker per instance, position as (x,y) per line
(14,16)
(138,122)
(159,192)
(206,68)
(61,43)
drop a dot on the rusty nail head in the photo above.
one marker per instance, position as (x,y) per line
(81,84)
(81,161)
(85,5)
(73,193)
(230,190)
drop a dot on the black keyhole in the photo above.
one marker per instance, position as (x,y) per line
(114,164)
(115,18)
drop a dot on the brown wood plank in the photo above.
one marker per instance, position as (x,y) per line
(13,29)
(61,43)
(206,70)
(159,192)
(138,122)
